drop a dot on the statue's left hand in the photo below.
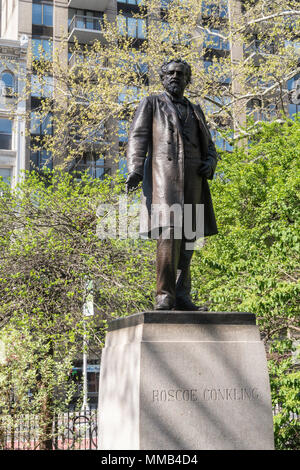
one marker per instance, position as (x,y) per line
(133,181)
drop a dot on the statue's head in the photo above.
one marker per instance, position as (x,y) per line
(175,76)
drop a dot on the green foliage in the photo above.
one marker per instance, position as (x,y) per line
(285,389)
(253,263)
(27,367)
(104,80)
(50,249)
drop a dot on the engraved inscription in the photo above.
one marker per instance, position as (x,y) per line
(174,395)
(207,394)
(229,394)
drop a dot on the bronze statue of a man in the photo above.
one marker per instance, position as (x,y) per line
(171,150)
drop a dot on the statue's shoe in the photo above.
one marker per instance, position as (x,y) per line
(165,304)
(186,304)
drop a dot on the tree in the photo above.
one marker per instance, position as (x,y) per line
(253,263)
(50,247)
(242,55)
(48,239)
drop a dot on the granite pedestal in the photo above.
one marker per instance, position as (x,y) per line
(184,380)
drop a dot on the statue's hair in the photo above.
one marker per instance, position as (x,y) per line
(187,67)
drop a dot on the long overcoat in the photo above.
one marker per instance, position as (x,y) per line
(156,152)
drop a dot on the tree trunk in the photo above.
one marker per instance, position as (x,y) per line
(47,412)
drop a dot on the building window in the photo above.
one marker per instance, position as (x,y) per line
(138,65)
(123,166)
(294,88)
(84,19)
(213,8)
(40,125)
(294,109)
(259,110)
(92,164)
(220,142)
(123,135)
(5,134)
(213,104)
(258,46)
(7,83)
(295,45)
(165,3)
(41,159)
(132,27)
(93,372)
(5,174)
(212,69)
(128,93)
(42,48)
(41,87)
(123,139)
(130,2)
(215,42)
(42,13)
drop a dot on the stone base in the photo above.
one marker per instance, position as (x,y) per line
(183,381)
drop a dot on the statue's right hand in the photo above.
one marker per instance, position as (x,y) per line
(133,181)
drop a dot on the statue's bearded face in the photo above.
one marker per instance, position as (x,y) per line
(175,79)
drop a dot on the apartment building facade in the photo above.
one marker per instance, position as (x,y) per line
(13,56)
(45,22)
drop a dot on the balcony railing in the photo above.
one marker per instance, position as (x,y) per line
(85,28)
(77,58)
(85,22)
(259,47)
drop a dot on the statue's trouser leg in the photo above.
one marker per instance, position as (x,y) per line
(183,282)
(167,257)
(172,267)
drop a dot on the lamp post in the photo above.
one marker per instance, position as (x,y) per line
(88,310)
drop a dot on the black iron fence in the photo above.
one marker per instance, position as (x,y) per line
(73,430)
